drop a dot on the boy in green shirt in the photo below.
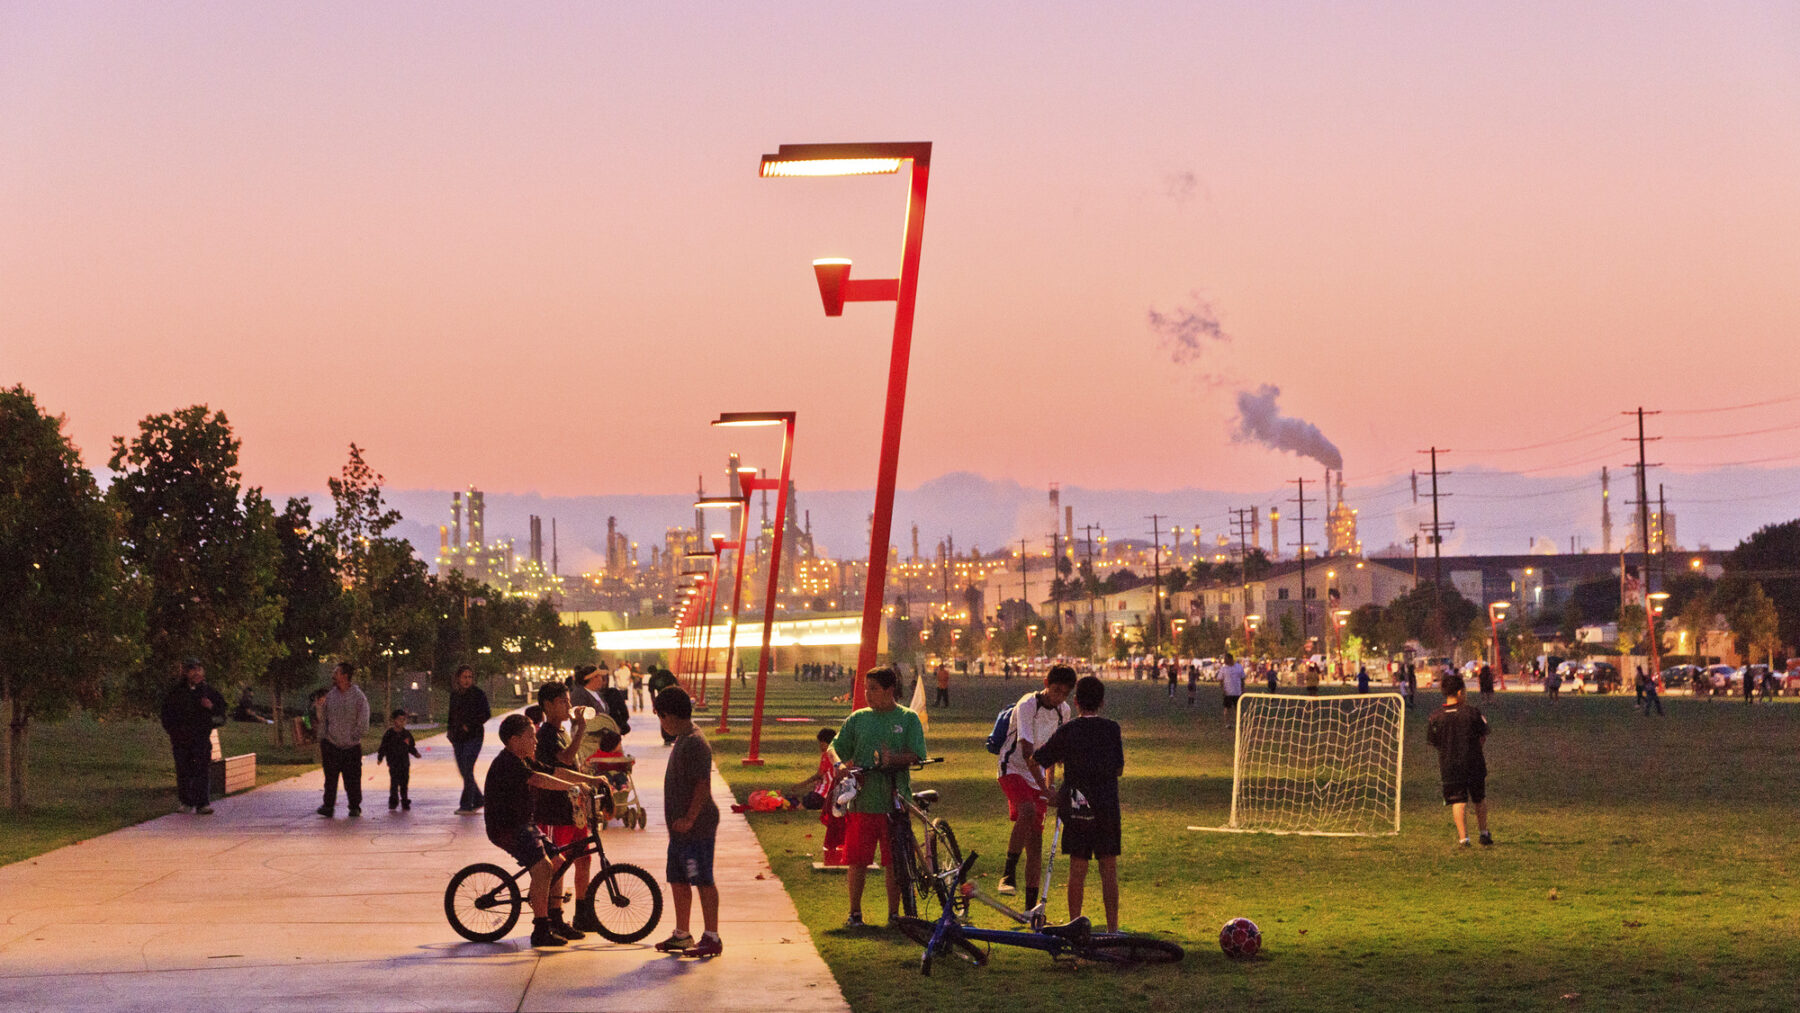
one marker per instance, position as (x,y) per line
(885,739)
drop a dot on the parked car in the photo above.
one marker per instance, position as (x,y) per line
(1603,675)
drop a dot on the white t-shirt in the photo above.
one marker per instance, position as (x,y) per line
(1035,725)
(1232,678)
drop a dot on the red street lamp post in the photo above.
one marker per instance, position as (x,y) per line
(737,586)
(1497,612)
(836,288)
(749,483)
(710,581)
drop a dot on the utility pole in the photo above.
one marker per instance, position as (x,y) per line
(1300,547)
(1437,530)
(1056,575)
(1024,571)
(1643,505)
(1241,520)
(1101,635)
(1156,582)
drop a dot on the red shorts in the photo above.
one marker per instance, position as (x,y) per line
(862,833)
(562,836)
(1023,796)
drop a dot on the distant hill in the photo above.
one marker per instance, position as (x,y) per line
(1494,512)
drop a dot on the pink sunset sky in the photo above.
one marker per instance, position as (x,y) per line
(526,246)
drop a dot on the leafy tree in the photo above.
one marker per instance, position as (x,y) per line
(1753,620)
(1569,629)
(308,576)
(69,612)
(207,548)
(387,603)
(1417,612)
(1770,557)
(1201,572)
(1696,620)
(1175,580)
(1631,627)
(1522,644)
(1257,564)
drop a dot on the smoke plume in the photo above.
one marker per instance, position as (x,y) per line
(1187,332)
(1259,419)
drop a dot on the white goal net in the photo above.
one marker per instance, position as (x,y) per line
(1327,765)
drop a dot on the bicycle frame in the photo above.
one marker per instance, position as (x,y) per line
(1034,918)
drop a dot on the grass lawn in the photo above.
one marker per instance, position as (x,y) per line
(1641,863)
(87,777)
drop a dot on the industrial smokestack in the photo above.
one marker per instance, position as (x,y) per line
(1260,419)
(1274,533)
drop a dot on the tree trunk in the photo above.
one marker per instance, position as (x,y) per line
(280,718)
(15,753)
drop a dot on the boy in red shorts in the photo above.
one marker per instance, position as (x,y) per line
(885,739)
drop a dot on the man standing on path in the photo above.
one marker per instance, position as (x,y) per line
(885,740)
(1231,680)
(189,714)
(469,714)
(343,715)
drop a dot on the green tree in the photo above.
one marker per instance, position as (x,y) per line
(207,548)
(1257,564)
(70,614)
(1696,620)
(1631,627)
(387,604)
(312,621)
(1417,612)
(1753,621)
(1770,557)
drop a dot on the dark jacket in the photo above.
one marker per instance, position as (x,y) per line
(183,717)
(468,713)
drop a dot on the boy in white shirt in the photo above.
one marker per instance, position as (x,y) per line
(1026,785)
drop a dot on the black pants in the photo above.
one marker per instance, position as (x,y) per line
(943,697)
(399,776)
(346,763)
(193,771)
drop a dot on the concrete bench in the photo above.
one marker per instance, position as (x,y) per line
(233,774)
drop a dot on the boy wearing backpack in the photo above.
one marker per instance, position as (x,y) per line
(1025,784)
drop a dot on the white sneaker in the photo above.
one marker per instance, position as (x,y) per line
(1006,888)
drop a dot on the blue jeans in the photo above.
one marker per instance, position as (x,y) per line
(467,753)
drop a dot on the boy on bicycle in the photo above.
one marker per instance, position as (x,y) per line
(884,739)
(511,827)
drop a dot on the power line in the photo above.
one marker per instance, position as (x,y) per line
(1734,407)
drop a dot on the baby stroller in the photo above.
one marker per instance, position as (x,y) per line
(624,804)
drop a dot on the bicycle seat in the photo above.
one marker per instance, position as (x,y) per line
(925,799)
(1076,931)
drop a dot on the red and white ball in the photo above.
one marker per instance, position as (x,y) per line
(1240,939)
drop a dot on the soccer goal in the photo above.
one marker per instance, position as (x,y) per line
(1324,765)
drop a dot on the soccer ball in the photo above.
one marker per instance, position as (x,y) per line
(1240,939)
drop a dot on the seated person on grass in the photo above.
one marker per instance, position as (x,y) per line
(510,779)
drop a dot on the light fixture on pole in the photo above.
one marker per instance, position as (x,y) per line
(836,287)
(1654,600)
(1497,612)
(749,483)
(742,503)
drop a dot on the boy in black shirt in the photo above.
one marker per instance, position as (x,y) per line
(1456,730)
(511,779)
(397,748)
(1092,753)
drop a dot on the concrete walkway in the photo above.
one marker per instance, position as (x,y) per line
(266,906)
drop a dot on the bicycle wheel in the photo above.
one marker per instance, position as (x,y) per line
(945,856)
(482,903)
(1117,948)
(902,850)
(919,931)
(626,901)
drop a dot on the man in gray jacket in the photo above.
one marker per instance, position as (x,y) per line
(343,717)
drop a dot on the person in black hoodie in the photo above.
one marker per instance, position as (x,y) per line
(468,714)
(398,748)
(190,712)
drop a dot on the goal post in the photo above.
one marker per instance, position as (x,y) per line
(1321,765)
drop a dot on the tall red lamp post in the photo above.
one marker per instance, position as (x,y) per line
(749,483)
(836,288)
(737,587)
(1497,612)
(709,581)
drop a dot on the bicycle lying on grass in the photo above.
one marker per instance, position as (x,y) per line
(483,901)
(1076,940)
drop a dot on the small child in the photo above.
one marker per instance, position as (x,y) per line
(1456,730)
(397,748)
(1092,753)
(535,713)
(693,821)
(815,793)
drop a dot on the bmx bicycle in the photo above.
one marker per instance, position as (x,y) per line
(483,901)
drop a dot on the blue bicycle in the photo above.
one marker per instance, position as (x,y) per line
(1075,940)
